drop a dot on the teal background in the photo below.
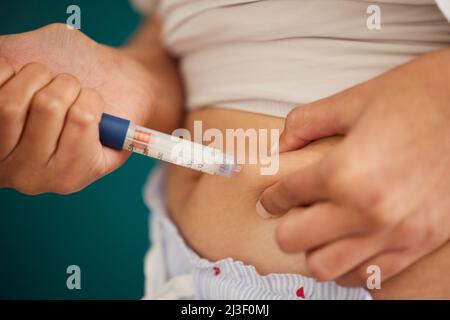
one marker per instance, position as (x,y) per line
(102,229)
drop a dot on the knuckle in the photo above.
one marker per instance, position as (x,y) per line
(296,119)
(293,118)
(68,80)
(9,109)
(82,117)
(286,192)
(335,173)
(47,102)
(377,211)
(37,68)
(412,234)
(339,174)
(301,119)
(341,177)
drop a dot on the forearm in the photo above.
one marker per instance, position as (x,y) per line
(146,48)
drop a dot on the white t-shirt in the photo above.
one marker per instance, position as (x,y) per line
(270,56)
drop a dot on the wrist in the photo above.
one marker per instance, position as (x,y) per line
(146,45)
(158,81)
(438,83)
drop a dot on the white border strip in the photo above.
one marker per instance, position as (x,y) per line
(444,5)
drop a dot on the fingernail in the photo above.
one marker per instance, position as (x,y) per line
(261,211)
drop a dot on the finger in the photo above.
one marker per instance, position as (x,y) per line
(6,71)
(304,229)
(297,189)
(78,157)
(46,118)
(387,265)
(15,97)
(324,118)
(336,259)
(80,137)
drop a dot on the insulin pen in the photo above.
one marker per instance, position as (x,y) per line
(118,133)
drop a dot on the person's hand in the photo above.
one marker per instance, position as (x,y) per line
(381,197)
(49,131)
(33,104)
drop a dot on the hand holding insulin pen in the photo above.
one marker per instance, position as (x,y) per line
(118,133)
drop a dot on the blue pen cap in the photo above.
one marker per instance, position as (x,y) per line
(113,131)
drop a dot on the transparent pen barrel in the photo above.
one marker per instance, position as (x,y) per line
(178,151)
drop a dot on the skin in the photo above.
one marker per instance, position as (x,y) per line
(54,85)
(43,84)
(370,208)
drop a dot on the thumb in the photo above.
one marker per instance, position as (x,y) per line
(331,116)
